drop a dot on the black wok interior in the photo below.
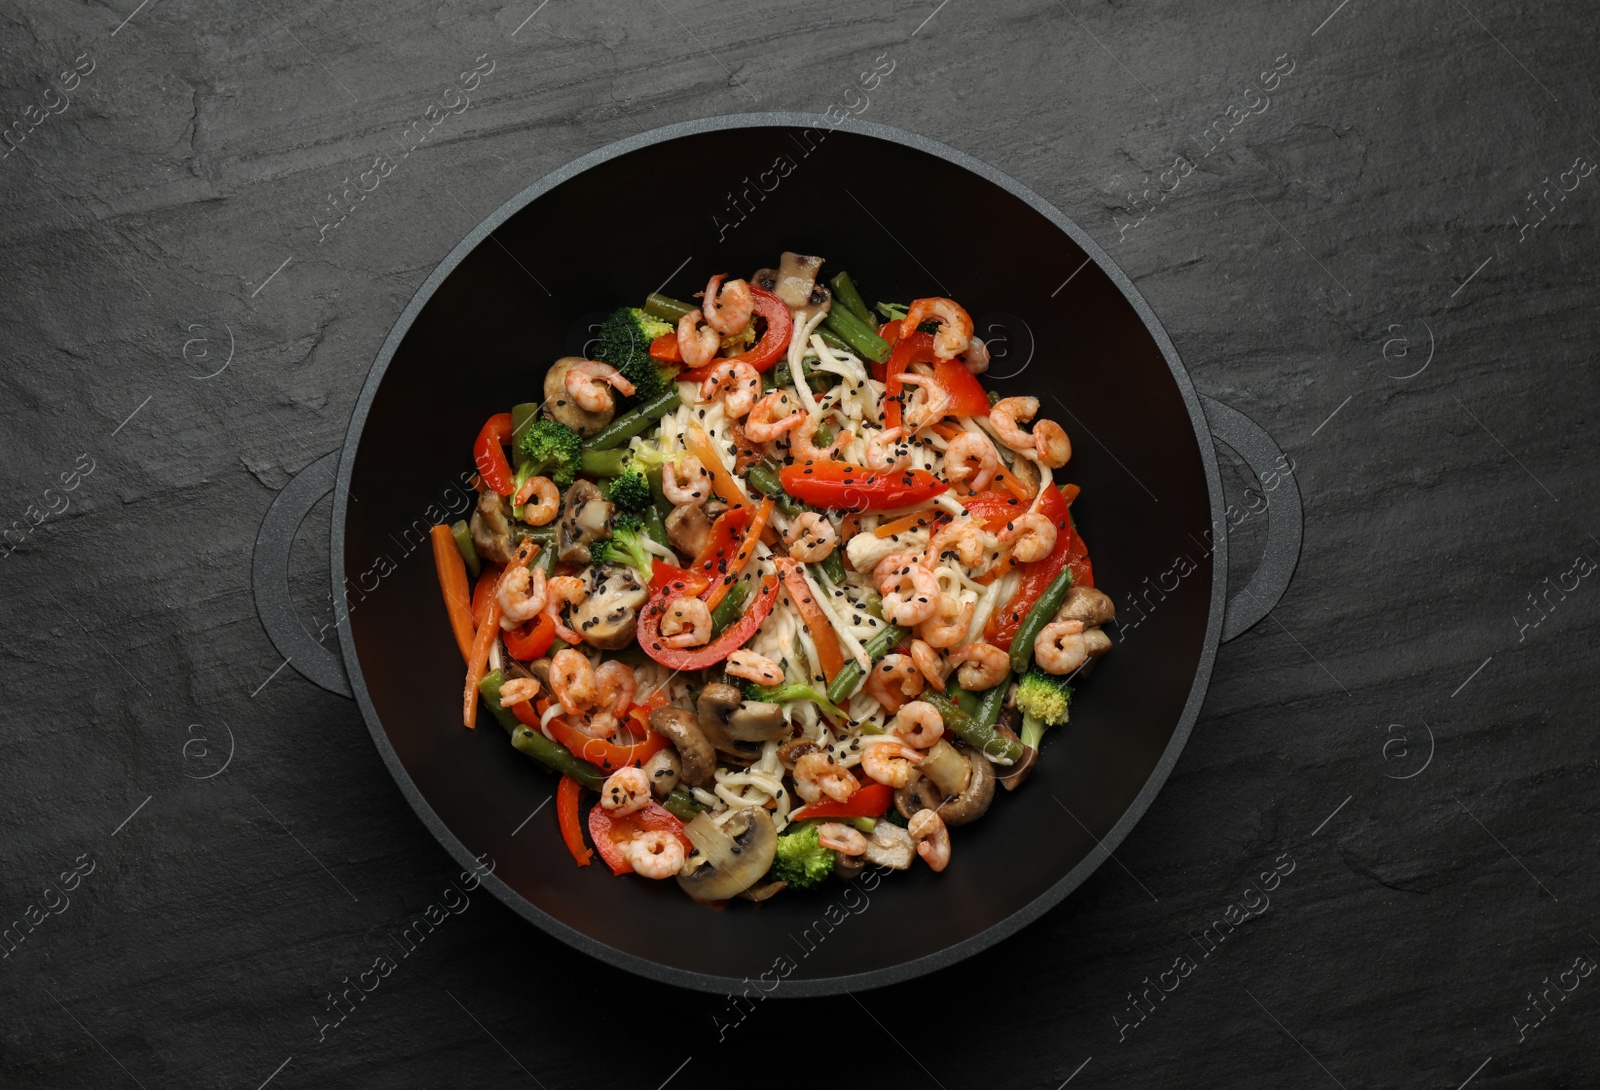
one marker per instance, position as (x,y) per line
(666,216)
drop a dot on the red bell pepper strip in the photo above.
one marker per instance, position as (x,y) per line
(567,818)
(488,580)
(663,574)
(747,548)
(856,488)
(994,509)
(698,658)
(598,751)
(768,350)
(487,452)
(917,348)
(721,546)
(611,833)
(870,800)
(967,395)
(531,640)
(487,628)
(1036,577)
(829,656)
(665,348)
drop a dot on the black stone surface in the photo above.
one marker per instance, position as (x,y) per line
(1368,265)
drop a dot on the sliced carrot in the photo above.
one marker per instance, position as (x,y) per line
(915,520)
(487,629)
(453,584)
(698,443)
(747,548)
(820,629)
(488,580)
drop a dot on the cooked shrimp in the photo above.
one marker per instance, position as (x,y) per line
(841,838)
(686,481)
(955,325)
(928,831)
(918,724)
(564,591)
(1007,414)
(518,690)
(971,461)
(1051,444)
(522,596)
(625,790)
(890,763)
(727,310)
(538,499)
(817,775)
(893,680)
(983,665)
(976,357)
(655,853)
(1060,647)
(1032,536)
(802,441)
(811,537)
(588,384)
(889,565)
(928,660)
(572,681)
(616,685)
(948,625)
(697,346)
(932,408)
(886,452)
(686,623)
(965,537)
(754,667)
(737,383)
(764,424)
(910,595)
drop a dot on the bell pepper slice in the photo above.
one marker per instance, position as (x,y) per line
(489,453)
(665,348)
(598,751)
(818,627)
(856,488)
(487,629)
(481,591)
(747,548)
(766,352)
(663,574)
(531,640)
(967,395)
(567,817)
(870,800)
(917,348)
(720,547)
(1069,551)
(612,833)
(698,443)
(452,570)
(698,658)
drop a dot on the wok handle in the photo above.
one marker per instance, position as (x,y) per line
(269,577)
(1285,519)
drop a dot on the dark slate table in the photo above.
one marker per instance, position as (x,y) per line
(1384,254)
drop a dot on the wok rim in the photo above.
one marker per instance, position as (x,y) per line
(947,955)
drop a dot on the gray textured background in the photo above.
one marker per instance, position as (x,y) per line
(1347,268)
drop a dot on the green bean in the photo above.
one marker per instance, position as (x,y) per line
(521,416)
(489,691)
(682,805)
(666,308)
(967,702)
(824,435)
(764,479)
(833,566)
(653,525)
(1037,618)
(862,338)
(626,426)
(875,605)
(833,340)
(603,463)
(729,608)
(469,552)
(816,378)
(844,291)
(842,686)
(985,739)
(990,705)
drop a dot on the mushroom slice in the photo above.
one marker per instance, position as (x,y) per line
(688,529)
(664,769)
(765,892)
(737,726)
(890,846)
(1092,607)
(728,858)
(682,729)
(584,517)
(797,276)
(919,793)
(607,617)
(972,803)
(491,528)
(559,406)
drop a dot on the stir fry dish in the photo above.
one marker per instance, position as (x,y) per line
(774,584)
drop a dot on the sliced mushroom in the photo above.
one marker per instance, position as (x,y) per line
(974,802)
(797,276)
(919,793)
(698,761)
(765,279)
(1011,776)
(491,528)
(1096,642)
(608,616)
(560,407)
(758,722)
(730,858)
(688,529)
(737,726)
(585,515)
(765,892)
(819,302)
(848,867)
(1092,607)
(663,768)
(890,846)
(794,749)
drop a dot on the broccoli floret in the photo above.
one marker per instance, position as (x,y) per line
(553,450)
(624,343)
(783,694)
(801,860)
(625,546)
(630,492)
(1043,700)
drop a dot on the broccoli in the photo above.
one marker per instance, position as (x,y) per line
(1043,700)
(783,694)
(553,450)
(894,312)
(801,860)
(625,546)
(630,492)
(624,343)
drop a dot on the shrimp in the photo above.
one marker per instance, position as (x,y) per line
(697,346)
(884,457)
(910,594)
(890,763)
(1051,444)
(983,665)
(933,407)
(889,565)
(625,790)
(763,425)
(1031,536)
(894,680)
(976,357)
(802,445)
(948,625)
(928,660)
(686,623)
(655,853)
(522,596)
(563,591)
(955,324)
(727,310)
(736,382)
(811,537)
(616,685)
(686,481)
(918,724)
(1060,647)
(572,681)
(965,537)
(817,775)
(1005,415)
(518,690)
(539,501)
(587,382)
(754,667)
(971,461)
(928,832)
(841,838)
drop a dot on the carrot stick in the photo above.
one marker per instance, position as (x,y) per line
(900,525)
(452,571)
(747,549)
(479,662)
(698,443)
(829,656)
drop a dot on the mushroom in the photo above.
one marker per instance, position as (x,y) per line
(1092,607)
(679,726)
(559,406)
(491,528)
(663,770)
(608,616)
(889,845)
(1012,775)
(1096,642)
(737,726)
(688,529)
(848,867)
(921,793)
(794,749)
(797,278)
(585,515)
(765,892)
(729,858)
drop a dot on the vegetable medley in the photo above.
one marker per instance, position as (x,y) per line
(776,582)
